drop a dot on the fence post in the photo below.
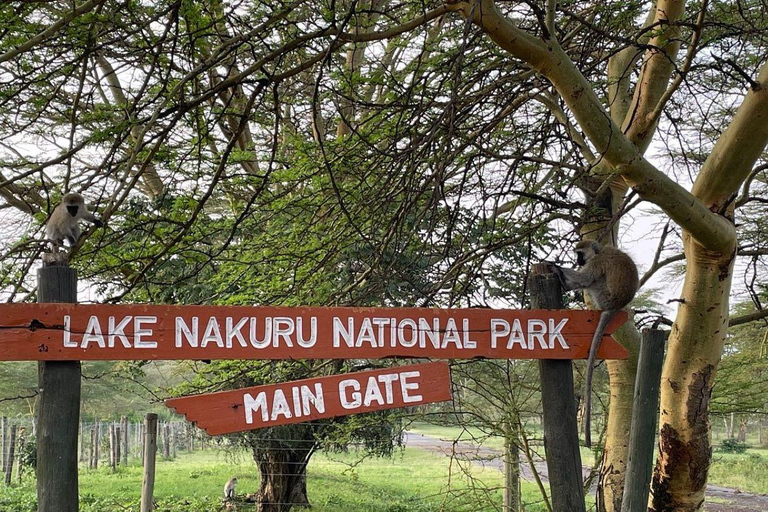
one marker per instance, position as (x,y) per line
(126,437)
(150,452)
(644,413)
(3,429)
(58,408)
(561,435)
(10,455)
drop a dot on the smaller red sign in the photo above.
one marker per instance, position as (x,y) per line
(312,399)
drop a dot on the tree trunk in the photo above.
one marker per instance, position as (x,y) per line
(512,494)
(742,431)
(613,470)
(283,479)
(694,349)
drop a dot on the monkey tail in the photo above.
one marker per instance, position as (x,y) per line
(597,338)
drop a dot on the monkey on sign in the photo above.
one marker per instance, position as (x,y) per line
(609,277)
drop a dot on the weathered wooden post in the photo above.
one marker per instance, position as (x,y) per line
(11,455)
(561,435)
(644,413)
(58,415)
(3,429)
(150,452)
(512,491)
(92,449)
(126,437)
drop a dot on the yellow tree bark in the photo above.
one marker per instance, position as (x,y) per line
(704,214)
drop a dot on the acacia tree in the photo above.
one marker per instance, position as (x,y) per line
(389,153)
(619,136)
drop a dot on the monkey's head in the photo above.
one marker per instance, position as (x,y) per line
(585,251)
(73,202)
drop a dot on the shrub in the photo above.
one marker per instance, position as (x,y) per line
(733,446)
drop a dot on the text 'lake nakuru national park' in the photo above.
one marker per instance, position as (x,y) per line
(118,332)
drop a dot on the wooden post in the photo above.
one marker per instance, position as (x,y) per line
(561,435)
(126,436)
(112,447)
(167,441)
(150,452)
(10,455)
(3,446)
(92,450)
(81,458)
(644,413)
(58,415)
(97,446)
(173,440)
(511,495)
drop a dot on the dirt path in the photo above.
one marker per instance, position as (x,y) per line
(719,499)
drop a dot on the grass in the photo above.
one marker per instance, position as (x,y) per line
(745,471)
(411,481)
(476,436)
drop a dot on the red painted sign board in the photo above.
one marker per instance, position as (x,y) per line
(313,399)
(61,332)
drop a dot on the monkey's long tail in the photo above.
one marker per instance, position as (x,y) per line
(597,338)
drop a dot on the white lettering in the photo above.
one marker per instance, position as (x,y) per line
(282,328)
(468,343)
(387,379)
(93,333)
(406,386)
(518,336)
(354,399)
(499,329)
(255,341)
(317,399)
(253,405)
(233,331)
(68,332)
(554,333)
(536,331)
(432,332)
(372,392)
(401,333)
(451,334)
(139,331)
(306,343)
(212,333)
(366,334)
(118,331)
(339,332)
(280,406)
(190,334)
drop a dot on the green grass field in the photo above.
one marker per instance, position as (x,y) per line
(411,481)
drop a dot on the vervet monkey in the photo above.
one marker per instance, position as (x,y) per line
(609,277)
(63,222)
(229,488)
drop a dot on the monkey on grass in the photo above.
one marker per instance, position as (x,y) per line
(229,489)
(63,222)
(609,277)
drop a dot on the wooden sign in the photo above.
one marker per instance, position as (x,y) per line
(48,332)
(313,399)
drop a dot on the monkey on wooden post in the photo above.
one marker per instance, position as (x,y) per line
(609,277)
(63,222)
(229,489)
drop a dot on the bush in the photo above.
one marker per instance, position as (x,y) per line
(733,446)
